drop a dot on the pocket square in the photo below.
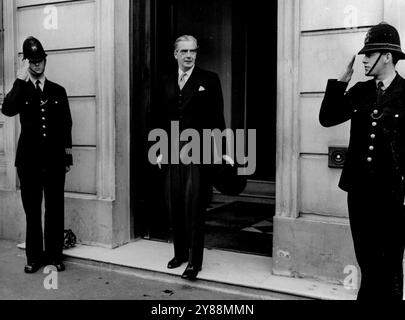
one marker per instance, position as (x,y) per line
(201,89)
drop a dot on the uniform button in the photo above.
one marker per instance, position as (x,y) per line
(26,102)
(43,110)
(56,102)
(375,111)
(372,136)
(369,159)
(44,134)
(44,127)
(43,118)
(371,148)
(374,124)
(397,116)
(355,110)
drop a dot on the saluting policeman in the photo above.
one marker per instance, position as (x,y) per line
(43,155)
(374,170)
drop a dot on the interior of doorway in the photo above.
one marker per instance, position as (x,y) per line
(238,41)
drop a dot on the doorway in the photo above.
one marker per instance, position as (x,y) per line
(237,40)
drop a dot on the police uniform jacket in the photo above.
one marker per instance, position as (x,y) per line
(45,127)
(376,152)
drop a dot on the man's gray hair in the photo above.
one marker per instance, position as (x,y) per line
(185,38)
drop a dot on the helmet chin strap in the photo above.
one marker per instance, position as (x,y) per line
(35,74)
(375,64)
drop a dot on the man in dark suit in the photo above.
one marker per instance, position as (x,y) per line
(374,169)
(193,97)
(43,155)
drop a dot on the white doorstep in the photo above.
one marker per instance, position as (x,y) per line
(219,266)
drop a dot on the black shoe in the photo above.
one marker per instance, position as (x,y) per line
(175,263)
(32,267)
(58,265)
(191,272)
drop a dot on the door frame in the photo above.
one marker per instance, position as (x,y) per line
(139,56)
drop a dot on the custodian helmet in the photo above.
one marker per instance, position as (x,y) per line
(33,50)
(383,37)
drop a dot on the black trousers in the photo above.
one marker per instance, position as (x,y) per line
(187,195)
(36,184)
(377,225)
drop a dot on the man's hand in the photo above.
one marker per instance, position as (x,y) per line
(159,161)
(347,75)
(22,72)
(228,160)
(67,169)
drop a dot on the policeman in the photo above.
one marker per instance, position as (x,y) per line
(374,170)
(43,155)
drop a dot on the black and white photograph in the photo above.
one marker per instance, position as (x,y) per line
(202,155)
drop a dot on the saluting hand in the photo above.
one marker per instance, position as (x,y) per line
(347,75)
(22,72)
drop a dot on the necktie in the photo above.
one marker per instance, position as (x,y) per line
(380,91)
(38,89)
(182,80)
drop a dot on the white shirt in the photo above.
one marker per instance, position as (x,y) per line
(188,72)
(41,81)
(387,82)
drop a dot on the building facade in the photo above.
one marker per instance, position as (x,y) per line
(108,53)
(316,41)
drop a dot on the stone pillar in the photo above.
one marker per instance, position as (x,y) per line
(8,181)
(287,154)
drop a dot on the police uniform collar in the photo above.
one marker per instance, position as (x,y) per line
(395,90)
(41,79)
(387,82)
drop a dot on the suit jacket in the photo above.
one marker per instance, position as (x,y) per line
(45,129)
(376,153)
(198,106)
